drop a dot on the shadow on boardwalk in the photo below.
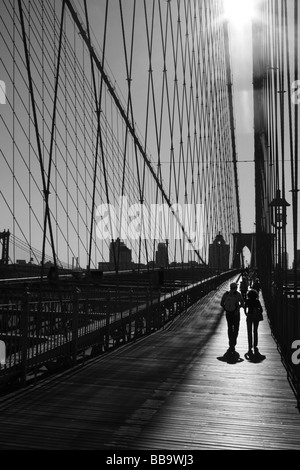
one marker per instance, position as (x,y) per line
(165,391)
(234,358)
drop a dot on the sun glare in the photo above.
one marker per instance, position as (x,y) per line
(239,12)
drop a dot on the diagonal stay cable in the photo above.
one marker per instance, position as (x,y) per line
(128,123)
(28,66)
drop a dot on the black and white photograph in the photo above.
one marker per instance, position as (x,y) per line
(149,235)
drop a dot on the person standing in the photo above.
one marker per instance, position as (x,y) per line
(253,311)
(256,285)
(244,287)
(232,301)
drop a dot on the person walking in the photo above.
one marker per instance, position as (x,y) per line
(231,302)
(253,311)
(256,285)
(244,287)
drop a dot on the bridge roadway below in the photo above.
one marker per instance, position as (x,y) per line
(169,390)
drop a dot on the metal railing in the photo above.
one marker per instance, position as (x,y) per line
(282,303)
(52,332)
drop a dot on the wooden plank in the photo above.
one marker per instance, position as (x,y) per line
(165,391)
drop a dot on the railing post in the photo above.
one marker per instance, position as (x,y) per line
(151,313)
(24,333)
(75,323)
(148,327)
(108,320)
(2,354)
(158,313)
(130,314)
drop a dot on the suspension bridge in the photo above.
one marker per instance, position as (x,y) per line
(122,227)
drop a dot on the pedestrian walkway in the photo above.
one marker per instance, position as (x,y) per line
(169,390)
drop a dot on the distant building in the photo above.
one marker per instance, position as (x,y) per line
(161,255)
(297,260)
(104,266)
(285,260)
(151,264)
(75,263)
(219,254)
(119,255)
(4,236)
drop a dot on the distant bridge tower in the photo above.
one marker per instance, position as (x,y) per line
(4,236)
(240,241)
(219,254)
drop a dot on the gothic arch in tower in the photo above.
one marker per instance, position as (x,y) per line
(240,241)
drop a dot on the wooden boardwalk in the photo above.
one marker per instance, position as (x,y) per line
(166,391)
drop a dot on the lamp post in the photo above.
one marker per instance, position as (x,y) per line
(219,244)
(278,220)
(278,211)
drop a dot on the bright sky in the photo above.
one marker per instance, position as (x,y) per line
(239,12)
(239,15)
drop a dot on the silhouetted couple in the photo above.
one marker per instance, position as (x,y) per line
(232,301)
